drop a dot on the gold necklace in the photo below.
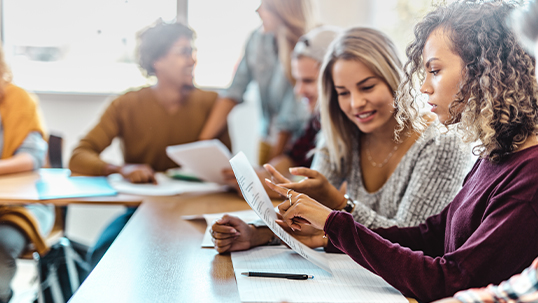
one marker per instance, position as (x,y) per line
(369,156)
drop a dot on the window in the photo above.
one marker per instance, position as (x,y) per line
(222,28)
(87,46)
(77,45)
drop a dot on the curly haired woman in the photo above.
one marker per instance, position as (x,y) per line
(475,76)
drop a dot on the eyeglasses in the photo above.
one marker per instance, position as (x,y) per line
(186,52)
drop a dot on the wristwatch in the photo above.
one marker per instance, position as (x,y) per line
(350,204)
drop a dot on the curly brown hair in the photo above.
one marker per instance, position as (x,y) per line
(156,41)
(496,102)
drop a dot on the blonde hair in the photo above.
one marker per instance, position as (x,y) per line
(5,73)
(375,50)
(295,17)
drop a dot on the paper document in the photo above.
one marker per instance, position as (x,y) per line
(349,281)
(205,159)
(165,186)
(256,196)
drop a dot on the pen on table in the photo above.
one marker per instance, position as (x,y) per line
(277,275)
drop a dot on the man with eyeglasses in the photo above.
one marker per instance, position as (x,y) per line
(149,119)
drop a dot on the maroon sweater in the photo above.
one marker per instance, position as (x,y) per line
(485,235)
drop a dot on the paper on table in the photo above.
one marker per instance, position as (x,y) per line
(349,282)
(245,215)
(257,198)
(165,186)
(206,159)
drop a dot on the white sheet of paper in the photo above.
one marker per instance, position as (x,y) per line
(205,159)
(257,198)
(245,215)
(165,186)
(349,281)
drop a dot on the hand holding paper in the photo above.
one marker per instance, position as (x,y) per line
(300,209)
(257,198)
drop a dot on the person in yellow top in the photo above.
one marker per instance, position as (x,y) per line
(22,148)
(149,119)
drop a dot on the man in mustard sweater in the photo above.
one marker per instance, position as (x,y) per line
(149,119)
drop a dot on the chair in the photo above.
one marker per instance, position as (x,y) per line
(63,251)
(55,151)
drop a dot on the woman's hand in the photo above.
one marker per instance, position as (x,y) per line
(231,181)
(315,185)
(308,235)
(300,210)
(138,173)
(233,234)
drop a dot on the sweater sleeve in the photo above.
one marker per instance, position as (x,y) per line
(477,262)
(35,146)
(85,157)
(435,179)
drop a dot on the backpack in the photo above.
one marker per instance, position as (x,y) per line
(61,271)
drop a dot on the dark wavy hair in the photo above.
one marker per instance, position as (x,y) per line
(156,41)
(496,103)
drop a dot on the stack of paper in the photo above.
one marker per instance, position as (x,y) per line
(349,281)
(165,186)
(205,159)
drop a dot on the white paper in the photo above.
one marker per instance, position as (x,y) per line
(165,186)
(205,159)
(349,281)
(257,198)
(245,215)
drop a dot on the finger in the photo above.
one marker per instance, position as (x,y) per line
(224,236)
(223,229)
(275,175)
(229,220)
(224,242)
(304,171)
(276,188)
(135,177)
(152,178)
(222,249)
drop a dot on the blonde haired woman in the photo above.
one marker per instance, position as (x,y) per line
(267,61)
(22,148)
(389,181)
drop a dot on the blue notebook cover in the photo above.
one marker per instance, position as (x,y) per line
(57,184)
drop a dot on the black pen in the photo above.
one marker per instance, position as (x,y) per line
(277,275)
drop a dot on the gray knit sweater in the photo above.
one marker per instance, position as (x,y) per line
(427,178)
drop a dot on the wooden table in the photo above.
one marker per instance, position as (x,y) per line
(20,189)
(157,257)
